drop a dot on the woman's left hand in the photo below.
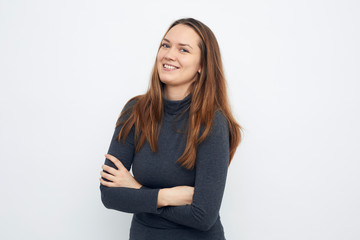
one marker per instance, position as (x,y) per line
(120,177)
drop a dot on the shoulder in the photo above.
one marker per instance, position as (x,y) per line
(220,122)
(219,130)
(219,125)
(220,118)
(217,141)
(130,103)
(127,109)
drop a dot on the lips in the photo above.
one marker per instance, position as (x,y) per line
(169,67)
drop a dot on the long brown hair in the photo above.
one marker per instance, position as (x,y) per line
(208,94)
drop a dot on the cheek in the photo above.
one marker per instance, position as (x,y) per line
(158,61)
(160,55)
(192,64)
(197,64)
(189,59)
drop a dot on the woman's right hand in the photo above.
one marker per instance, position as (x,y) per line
(175,196)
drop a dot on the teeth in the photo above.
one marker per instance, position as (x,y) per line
(168,66)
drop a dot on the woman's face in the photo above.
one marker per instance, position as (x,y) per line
(179,57)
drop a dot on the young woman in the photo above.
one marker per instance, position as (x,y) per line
(179,138)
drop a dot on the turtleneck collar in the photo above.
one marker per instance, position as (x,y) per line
(174,107)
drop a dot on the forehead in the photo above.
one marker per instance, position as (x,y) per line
(183,34)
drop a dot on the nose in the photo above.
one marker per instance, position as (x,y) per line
(170,54)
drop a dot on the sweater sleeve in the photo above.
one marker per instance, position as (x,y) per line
(124,199)
(211,170)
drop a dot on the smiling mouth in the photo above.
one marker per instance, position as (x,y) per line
(169,67)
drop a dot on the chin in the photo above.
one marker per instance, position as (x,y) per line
(165,80)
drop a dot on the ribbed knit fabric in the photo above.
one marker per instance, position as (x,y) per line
(156,170)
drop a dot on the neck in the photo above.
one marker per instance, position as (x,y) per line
(175,107)
(175,93)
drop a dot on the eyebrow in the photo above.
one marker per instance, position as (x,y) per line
(181,44)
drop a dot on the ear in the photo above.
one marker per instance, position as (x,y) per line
(199,71)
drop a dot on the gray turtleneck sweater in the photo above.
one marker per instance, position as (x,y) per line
(156,170)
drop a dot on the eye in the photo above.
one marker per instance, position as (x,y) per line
(184,50)
(165,45)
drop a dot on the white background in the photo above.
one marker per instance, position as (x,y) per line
(68,67)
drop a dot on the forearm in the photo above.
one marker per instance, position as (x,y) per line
(175,196)
(129,200)
(189,215)
(163,199)
(201,214)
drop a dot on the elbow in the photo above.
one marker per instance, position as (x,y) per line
(104,197)
(105,202)
(204,222)
(204,226)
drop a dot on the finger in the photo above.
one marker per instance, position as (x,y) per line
(116,161)
(105,183)
(109,169)
(107,176)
